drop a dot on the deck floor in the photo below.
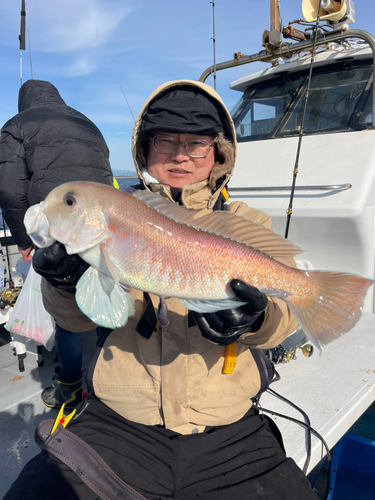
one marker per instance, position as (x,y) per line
(21,410)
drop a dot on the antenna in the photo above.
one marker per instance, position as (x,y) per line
(28,38)
(127,103)
(22,38)
(22,35)
(22,29)
(213,39)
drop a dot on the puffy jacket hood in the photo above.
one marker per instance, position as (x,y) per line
(224,170)
(42,94)
(35,93)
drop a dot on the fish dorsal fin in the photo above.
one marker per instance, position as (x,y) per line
(226,224)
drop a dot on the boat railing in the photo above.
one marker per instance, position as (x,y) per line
(323,187)
(292,49)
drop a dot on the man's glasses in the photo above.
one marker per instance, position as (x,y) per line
(195,147)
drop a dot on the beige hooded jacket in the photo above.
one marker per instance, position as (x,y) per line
(175,378)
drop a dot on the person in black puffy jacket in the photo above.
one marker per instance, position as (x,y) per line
(46,144)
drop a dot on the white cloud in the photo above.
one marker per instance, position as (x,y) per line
(81,66)
(73,25)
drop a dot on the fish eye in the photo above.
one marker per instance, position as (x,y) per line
(69,199)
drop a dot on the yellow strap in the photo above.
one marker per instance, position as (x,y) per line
(115,183)
(230,358)
(225,194)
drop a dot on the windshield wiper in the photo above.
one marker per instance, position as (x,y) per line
(294,93)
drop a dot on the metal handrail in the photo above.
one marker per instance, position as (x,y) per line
(294,48)
(323,187)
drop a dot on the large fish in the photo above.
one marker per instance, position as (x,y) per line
(146,242)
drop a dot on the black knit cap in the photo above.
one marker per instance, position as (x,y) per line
(185,109)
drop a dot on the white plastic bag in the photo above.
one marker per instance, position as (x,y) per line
(28,317)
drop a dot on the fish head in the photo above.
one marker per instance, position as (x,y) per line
(71,214)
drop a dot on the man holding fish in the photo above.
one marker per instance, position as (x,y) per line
(167,276)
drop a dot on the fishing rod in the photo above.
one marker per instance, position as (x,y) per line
(10,281)
(127,103)
(296,165)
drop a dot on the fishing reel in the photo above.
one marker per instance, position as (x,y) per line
(9,296)
(279,354)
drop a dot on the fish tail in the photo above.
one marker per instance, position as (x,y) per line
(331,306)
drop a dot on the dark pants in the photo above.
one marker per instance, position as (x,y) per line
(244,460)
(69,352)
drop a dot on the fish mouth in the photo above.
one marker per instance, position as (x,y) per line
(37,226)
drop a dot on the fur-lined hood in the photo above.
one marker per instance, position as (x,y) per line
(222,171)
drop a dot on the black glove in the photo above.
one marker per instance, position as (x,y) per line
(57,267)
(224,327)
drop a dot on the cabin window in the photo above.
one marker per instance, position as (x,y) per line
(340,99)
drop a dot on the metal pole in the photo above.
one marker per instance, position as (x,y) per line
(21,37)
(20,68)
(214,41)
(28,38)
(22,28)
(275,28)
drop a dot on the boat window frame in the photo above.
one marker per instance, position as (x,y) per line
(352,123)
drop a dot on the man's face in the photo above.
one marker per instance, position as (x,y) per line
(178,169)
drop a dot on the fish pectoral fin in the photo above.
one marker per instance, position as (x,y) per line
(103,300)
(129,299)
(109,258)
(210,306)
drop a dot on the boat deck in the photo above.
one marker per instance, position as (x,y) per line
(21,408)
(336,389)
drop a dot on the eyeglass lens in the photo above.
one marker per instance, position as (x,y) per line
(194,147)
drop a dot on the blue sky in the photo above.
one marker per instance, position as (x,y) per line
(95,51)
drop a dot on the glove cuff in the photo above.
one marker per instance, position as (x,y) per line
(220,338)
(257,323)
